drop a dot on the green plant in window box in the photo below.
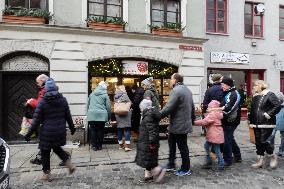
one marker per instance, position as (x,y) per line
(169,26)
(106,20)
(24,12)
(247,103)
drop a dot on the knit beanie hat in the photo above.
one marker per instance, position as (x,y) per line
(228,81)
(103,84)
(214,104)
(144,104)
(50,85)
(148,81)
(216,77)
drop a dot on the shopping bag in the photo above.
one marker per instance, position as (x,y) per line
(251,135)
(122,108)
(25,126)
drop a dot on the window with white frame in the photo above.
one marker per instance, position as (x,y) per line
(105,8)
(40,4)
(165,12)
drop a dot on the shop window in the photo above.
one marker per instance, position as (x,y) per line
(105,9)
(165,13)
(281,22)
(253,20)
(216,16)
(40,4)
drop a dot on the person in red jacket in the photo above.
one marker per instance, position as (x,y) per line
(33,102)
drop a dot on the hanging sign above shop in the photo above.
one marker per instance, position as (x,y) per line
(133,67)
(235,58)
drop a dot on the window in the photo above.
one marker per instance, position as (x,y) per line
(253,21)
(40,4)
(216,15)
(281,22)
(105,8)
(165,12)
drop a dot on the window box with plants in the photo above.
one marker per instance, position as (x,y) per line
(171,29)
(21,15)
(106,23)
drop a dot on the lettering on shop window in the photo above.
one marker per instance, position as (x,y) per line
(190,48)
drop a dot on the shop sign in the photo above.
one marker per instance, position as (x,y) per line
(235,58)
(190,48)
(133,67)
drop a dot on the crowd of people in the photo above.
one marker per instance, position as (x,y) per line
(140,110)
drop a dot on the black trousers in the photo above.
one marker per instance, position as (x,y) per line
(45,156)
(97,133)
(261,135)
(181,141)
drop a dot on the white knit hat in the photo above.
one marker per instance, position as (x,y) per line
(148,81)
(145,103)
(103,84)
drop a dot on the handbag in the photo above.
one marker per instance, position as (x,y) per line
(122,108)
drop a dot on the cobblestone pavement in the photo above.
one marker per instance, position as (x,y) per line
(112,168)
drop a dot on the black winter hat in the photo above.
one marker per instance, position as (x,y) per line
(228,81)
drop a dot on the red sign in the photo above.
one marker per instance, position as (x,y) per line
(190,48)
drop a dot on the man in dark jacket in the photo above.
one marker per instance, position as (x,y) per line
(53,113)
(180,107)
(231,120)
(215,92)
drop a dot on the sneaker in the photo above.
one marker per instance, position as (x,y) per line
(36,161)
(183,173)
(146,179)
(170,168)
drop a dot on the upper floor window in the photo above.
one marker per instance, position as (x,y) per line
(165,12)
(105,8)
(40,4)
(281,22)
(253,20)
(216,16)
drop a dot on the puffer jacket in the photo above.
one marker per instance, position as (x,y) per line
(153,95)
(99,108)
(123,121)
(148,134)
(213,93)
(212,121)
(280,119)
(53,113)
(265,102)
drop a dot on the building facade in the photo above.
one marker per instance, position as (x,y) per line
(78,56)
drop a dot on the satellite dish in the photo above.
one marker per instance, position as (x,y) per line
(260,8)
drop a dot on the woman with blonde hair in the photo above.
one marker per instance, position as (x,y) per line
(123,121)
(265,105)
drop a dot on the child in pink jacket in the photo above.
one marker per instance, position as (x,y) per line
(214,135)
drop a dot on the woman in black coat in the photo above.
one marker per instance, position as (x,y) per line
(265,105)
(52,113)
(148,143)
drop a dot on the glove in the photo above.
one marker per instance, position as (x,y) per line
(72,131)
(152,147)
(266,115)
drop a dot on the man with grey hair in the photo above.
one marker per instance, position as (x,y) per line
(180,107)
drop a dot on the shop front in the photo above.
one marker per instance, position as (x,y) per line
(130,73)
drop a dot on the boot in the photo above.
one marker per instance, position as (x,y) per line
(273,161)
(70,166)
(259,163)
(46,177)
(121,146)
(127,147)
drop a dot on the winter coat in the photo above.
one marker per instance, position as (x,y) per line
(265,102)
(99,108)
(214,129)
(213,93)
(148,134)
(152,94)
(280,119)
(53,113)
(136,114)
(122,121)
(33,102)
(232,109)
(180,107)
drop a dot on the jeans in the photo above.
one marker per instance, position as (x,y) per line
(281,147)
(181,141)
(97,131)
(208,147)
(230,146)
(45,156)
(127,134)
